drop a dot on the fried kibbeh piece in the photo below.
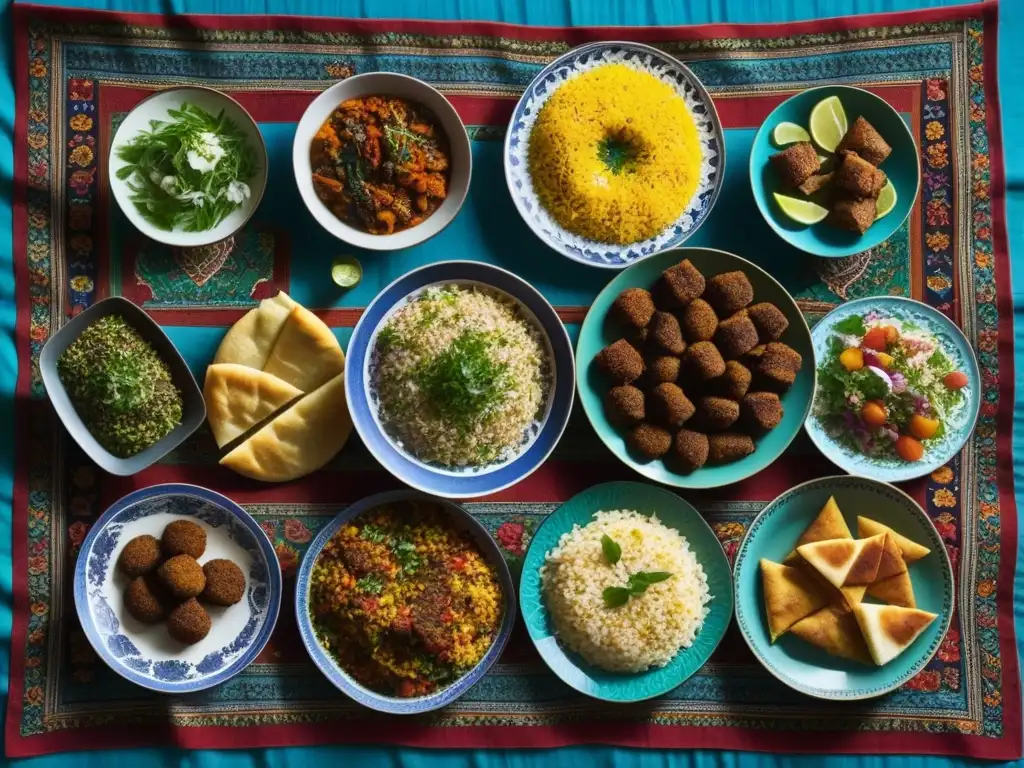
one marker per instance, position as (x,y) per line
(225,583)
(769,320)
(854,214)
(670,405)
(704,360)
(189,622)
(183,537)
(624,405)
(862,138)
(761,411)
(736,335)
(144,600)
(859,177)
(729,292)
(649,440)
(684,281)
(735,382)
(729,446)
(666,334)
(816,183)
(621,362)
(182,576)
(796,164)
(715,414)
(690,449)
(140,556)
(662,368)
(634,307)
(698,321)
(777,367)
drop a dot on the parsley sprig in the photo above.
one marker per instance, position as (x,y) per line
(636,584)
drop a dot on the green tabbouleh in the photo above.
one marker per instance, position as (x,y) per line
(120,387)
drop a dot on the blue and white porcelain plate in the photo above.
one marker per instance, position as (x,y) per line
(538,440)
(705,118)
(146,654)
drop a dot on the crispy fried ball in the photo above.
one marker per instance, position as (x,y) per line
(140,556)
(183,537)
(729,292)
(225,583)
(621,362)
(698,321)
(704,360)
(761,411)
(684,281)
(634,307)
(859,177)
(736,335)
(856,214)
(717,413)
(145,600)
(624,405)
(735,382)
(670,405)
(182,576)
(690,449)
(666,334)
(862,138)
(189,622)
(662,368)
(728,446)
(777,368)
(769,321)
(796,164)
(649,441)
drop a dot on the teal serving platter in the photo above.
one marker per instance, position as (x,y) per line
(674,513)
(600,330)
(773,533)
(903,168)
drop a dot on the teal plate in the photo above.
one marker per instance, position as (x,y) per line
(599,331)
(939,450)
(674,513)
(902,167)
(772,535)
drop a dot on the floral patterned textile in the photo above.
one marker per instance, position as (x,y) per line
(79,72)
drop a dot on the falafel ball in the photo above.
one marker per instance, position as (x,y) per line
(666,334)
(698,321)
(761,411)
(634,307)
(778,366)
(182,576)
(735,382)
(717,413)
(624,405)
(649,440)
(145,600)
(729,292)
(862,138)
(769,321)
(670,405)
(690,449)
(796,163)
(854,214)
(621,362)
(859,177)
(140,556)
(729,446)
(662,368)
(189,622)
(684,282)
(736,335)
(704,359)
(225,583)
(183,537)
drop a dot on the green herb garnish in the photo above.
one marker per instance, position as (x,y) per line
(851,326)
(408,558)
(615,596)
(636,585)
(399,138)
(374,534)
(612,551)
(371,584)
(617,154)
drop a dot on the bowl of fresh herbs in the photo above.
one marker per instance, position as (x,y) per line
(188,166)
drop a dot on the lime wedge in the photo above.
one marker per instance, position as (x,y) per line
(789,133)
(803,211)
(886,200)
(828,123)
(346,271)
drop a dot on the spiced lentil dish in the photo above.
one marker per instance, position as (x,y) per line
(405,603)
(381,164)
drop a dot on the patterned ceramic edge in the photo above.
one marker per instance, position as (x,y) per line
(709,131)
(346,683)
(953,343)
(99,621)
(935,544)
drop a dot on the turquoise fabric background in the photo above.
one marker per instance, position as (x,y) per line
(546,12)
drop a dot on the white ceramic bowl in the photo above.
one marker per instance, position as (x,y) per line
(403,87)
(155,108)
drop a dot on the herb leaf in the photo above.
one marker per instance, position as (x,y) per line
(371,584)
(373,534)
(852,326)
(615,596)
(640,581)
(612,551)
(408,558)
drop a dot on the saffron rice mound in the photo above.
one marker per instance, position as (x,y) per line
(461,377)
(650,628)
(614,155)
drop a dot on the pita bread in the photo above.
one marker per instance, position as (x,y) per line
(238,398)
(853,595)
(835,630)
(891,563)
(790,594)
(889,629)
(299,441)
(911,550)
(829,524)
(845,562)
(250,340)
(306,354)
(895,590)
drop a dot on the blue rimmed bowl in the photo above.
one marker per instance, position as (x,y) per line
(146,654)
(462,521)
(539,441)
(800,665)
(709,132)
(939,450)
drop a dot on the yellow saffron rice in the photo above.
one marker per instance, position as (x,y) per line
(637,117)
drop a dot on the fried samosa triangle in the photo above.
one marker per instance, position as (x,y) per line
(895,590)
(889,630)
(790,594)
(834,629)
(845,562)
(911,550)
(829,524)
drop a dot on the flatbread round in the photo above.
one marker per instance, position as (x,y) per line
(250,341)
(238,398)
(306,354)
